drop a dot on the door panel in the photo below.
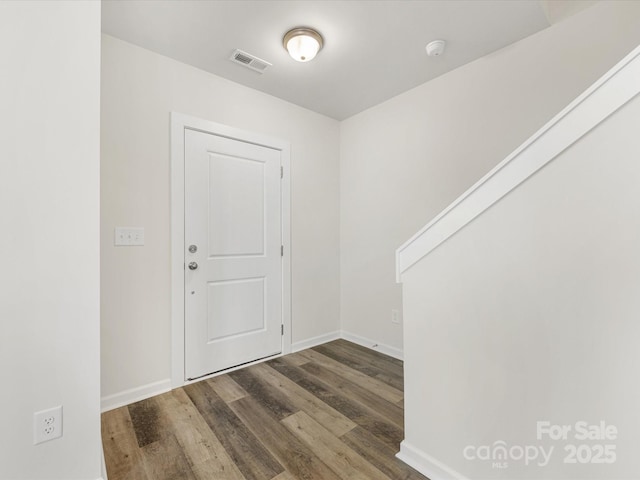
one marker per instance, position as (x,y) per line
(242,300)
(237,213)
(233,299)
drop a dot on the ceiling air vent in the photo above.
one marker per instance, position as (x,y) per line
(247,60)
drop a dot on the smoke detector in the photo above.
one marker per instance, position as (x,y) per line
(435,48)
(250,61)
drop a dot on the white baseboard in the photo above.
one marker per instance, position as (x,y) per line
(351,337)
(134,395)
(426,464)
(156,388)
(373,345)
(312,342)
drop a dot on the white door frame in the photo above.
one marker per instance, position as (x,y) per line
(179,123)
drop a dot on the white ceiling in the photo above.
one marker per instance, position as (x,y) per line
(373,50)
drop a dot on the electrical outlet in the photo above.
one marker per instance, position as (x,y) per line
(395,317)
(47,425)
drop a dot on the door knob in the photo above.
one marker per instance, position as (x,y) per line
(193,266)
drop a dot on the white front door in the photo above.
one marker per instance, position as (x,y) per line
(233,264)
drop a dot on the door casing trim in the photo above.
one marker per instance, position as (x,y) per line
(180,122)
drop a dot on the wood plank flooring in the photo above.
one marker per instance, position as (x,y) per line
(333,412)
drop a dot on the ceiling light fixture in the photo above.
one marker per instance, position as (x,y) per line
(302,43)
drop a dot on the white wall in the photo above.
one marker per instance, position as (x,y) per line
(405,160)
(139,90)
(530,313)
(49,247)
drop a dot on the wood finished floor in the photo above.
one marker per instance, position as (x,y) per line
(331,412)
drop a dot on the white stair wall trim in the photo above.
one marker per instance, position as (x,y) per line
(426,464)
(103,463)
(608,94)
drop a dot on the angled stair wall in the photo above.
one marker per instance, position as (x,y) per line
(521,299)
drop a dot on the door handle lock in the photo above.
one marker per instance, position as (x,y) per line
(193,266)
(193,248)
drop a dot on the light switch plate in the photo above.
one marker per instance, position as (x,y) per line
(129,236)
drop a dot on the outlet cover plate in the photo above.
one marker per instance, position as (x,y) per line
(47,425)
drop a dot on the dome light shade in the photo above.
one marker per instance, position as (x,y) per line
(302,43)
